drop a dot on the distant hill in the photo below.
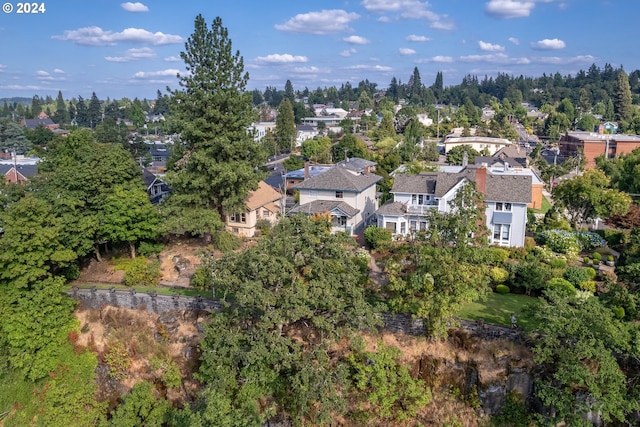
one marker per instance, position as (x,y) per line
(16,99)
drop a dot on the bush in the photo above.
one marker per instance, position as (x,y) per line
(502,289)
(618,312)
(597,257)
(570,242)
(588,285)
(201,278)
(71,272)
(586,260)
(592,272)
(560,283)
(613,237)
(226,242)
(150,248)
(610,258)
(558,263)
(264,225)
(499,275)
(529,243)
(140,272)
(576,275)
(377,238)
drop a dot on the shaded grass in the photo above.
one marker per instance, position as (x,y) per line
(187,292)
(497,309)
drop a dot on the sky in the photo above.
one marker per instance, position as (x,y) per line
(132,49)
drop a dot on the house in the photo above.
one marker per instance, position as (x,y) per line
(478,143)
(592,145)
(506,197)
(15,173)
(262,203)
(157,189)
(159,155)
(305,132)
(261,129)
(42,120)
(348,194)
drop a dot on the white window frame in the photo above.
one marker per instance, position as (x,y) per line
(503,233)
(503,207)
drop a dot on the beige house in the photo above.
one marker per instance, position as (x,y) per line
(263,203)
(347,193)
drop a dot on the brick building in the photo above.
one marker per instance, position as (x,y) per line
(593,144)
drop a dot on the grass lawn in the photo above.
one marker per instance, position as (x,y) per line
(545,206)
(187,292)
(497,309)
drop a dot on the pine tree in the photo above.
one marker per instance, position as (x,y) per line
(285,125)
(288,91)
(214,164)
(82,115)
(61,115)
(622,98)
(94,112)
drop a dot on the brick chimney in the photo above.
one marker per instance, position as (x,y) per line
(481,179)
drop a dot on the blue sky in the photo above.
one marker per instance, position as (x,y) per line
(132,49)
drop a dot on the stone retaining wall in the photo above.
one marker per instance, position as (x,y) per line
(151,301)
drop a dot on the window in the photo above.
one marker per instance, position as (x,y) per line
(341,220)
(403,227)
(505,207)
(313,194)
(412,225)
(239,217)
(339,195)
(265,213)
(420,199)
(501,233)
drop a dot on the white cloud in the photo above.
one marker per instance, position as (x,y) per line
(309,70)
(2,67)
(133,55)
(348,52)
(384,19)
(514,40)
(96,36)
(488,47)
(356,40)
(586,59)
(409,9)
(440,58)
(162,73)
(134,7)
(24,87)
(406,51)
(322,22)
(548,44)
(58,71)
(370,67)
(41,73)
(173,58)
(415,38)
(277,58)
(507,9)
(45,76)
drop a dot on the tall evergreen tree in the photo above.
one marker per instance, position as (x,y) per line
(215,162)
(285,125)
(438,86)
(61,114)
(288,92)
(94,112)
(82,115)
(622,98)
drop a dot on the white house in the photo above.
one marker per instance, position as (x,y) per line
(478,143)
(348,195)
(261,129)
(505,198)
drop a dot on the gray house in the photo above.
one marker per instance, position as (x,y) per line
(505,195)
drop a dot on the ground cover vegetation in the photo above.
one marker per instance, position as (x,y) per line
(288,343)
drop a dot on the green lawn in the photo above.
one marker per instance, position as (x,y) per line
(497,309)
(187,292)
(545,206)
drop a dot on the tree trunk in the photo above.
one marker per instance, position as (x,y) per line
(132,249)
(97,251)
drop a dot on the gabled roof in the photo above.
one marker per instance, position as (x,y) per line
(423,183)
(356,164)
(322,206)
(34,123)
(339,179)
(510,188)
(264,195)
(27,171)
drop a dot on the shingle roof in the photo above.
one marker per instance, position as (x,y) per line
(338,178)
(264,195)
(421,183)
(322,206)
(356,164)
(27,171)
(503,188)
(392,208)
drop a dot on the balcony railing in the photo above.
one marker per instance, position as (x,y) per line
(422,209)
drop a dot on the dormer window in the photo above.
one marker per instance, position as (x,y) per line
(339,194)
(503,207)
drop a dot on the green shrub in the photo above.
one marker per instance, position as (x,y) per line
(499,275)
(576,275)
(71,272)
(558,263)
(140,272)
(592,272)
(377,238)
(264,225)
(618,312)
(201,278)
(613,236)
(586,260)
(597,257)
(502,289)
(529,243)
(150,248)
(226,242)
(588,285)
(560,283)
(610,258)
(118,361)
